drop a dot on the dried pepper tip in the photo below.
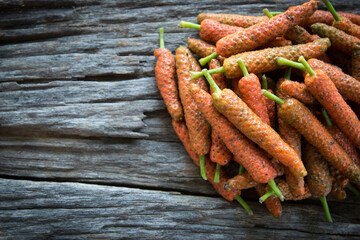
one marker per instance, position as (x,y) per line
(275,188)
(286,62)
(241,169)
(264,83)
(243,67)
(287,74)
(202,167)
(203,61)
(266,195)
(272,96)
(196,75)
(326,116)
(267,13)
(244,204)
(217,173)
(326,209)
(161,37)
(211,81)
(353,189)
(331,10)
(185,24)
(307,66)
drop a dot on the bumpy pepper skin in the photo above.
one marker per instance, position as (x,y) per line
(242,181)
(339,39)
(237,112)
(337,191)
(285,190)
(265,60)
(300,117)
(210,169)
(271,110)
(321,16)
(299,91)
(165,78)
(277,42)
(202,48)
(250,93)
(198,129)
(318,178)
(213,31)
(299,35)
(329,97)
(347,26)
(183,134)
(348,86)
(355,62)
(272,203)
(261,33)
(245,152)
(232,19)
(219,78)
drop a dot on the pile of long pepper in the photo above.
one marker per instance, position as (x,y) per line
(292,139)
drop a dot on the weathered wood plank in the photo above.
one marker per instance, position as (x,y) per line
(75,211)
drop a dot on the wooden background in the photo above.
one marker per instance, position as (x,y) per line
(87,150)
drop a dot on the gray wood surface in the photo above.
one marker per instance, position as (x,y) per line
(87,150)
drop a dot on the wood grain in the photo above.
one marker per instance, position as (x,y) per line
(86,145)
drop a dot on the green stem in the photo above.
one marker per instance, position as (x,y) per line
(353,189)
(307,66)
(271,96)
(276,13)
(184,24)
(326,209)
(286,62)
(202,167)
(203,61)
(217,173)
(196,75)
(277,191)
(241,169)
(327,117)
(244,204)
(266,195)
(287,74)
(243,67)
(211,81)
(264,82)
(267,13)
(331,10)
(161,37)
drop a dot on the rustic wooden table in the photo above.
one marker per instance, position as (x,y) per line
(87,150)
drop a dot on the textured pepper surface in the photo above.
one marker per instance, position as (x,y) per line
(297,115)
(210,169)
(213,31)
(202,48)
(272,203)
(263,32)
(242,181)
(348,86)
(165,79)
(318,178)
(321,16)
(232,19)
(337,191)
(250,93)
(277,42)
(299,91)
(265,60)
(355,62)
(237,112)
(347,26)
(339,39)
(329,97)
(245,152)
(285,190)
(271,110)
(198,129)
(183,134)
(299,35)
